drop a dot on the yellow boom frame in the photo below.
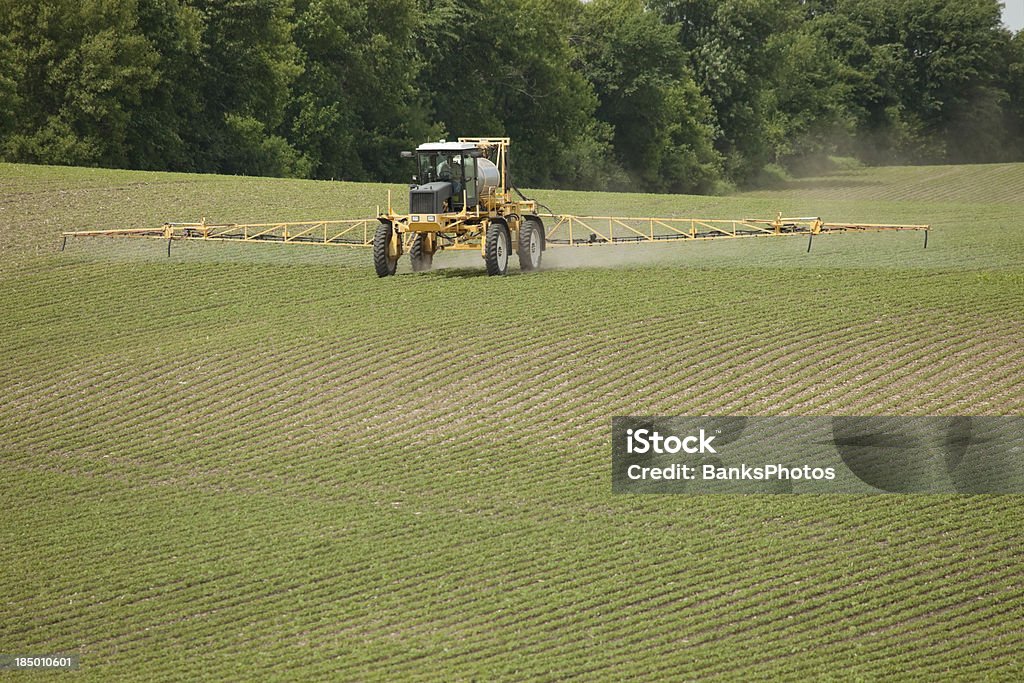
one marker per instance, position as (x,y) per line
(564,231)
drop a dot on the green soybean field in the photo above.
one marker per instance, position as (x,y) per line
(262,462)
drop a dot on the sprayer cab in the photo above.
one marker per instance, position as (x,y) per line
(451,176)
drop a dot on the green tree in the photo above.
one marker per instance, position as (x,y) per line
(247,63)
(81,71)
(935,90)
(356,104)
(10,77)
(504,67)
(159,133)
(731,48)
(812,102)
(669,95)
(1013,79)
(663,127)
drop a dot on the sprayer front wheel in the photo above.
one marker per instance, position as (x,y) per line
(384,263)
(496,249)
(419,256)
(531,244)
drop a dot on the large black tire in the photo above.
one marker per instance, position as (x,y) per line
(420,258)
(531,244)
(496,249)
(384,265)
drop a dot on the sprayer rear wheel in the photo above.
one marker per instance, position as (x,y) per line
(531,245)
(383,263)
(496,249)
(419,256)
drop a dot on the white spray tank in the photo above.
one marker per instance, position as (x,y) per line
(488,177)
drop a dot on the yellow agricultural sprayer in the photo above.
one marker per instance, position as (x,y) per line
(461,198)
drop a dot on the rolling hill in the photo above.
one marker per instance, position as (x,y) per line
(257,461)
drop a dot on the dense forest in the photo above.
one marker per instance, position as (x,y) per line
(661,96)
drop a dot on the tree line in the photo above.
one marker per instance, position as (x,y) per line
(660,96)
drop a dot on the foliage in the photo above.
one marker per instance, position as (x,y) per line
(503,67)
(81,70)
(248,62)
(734,49)
(357,103)
(935,78)
(663,125)
(1014,83)
(663,95)
(164,132)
